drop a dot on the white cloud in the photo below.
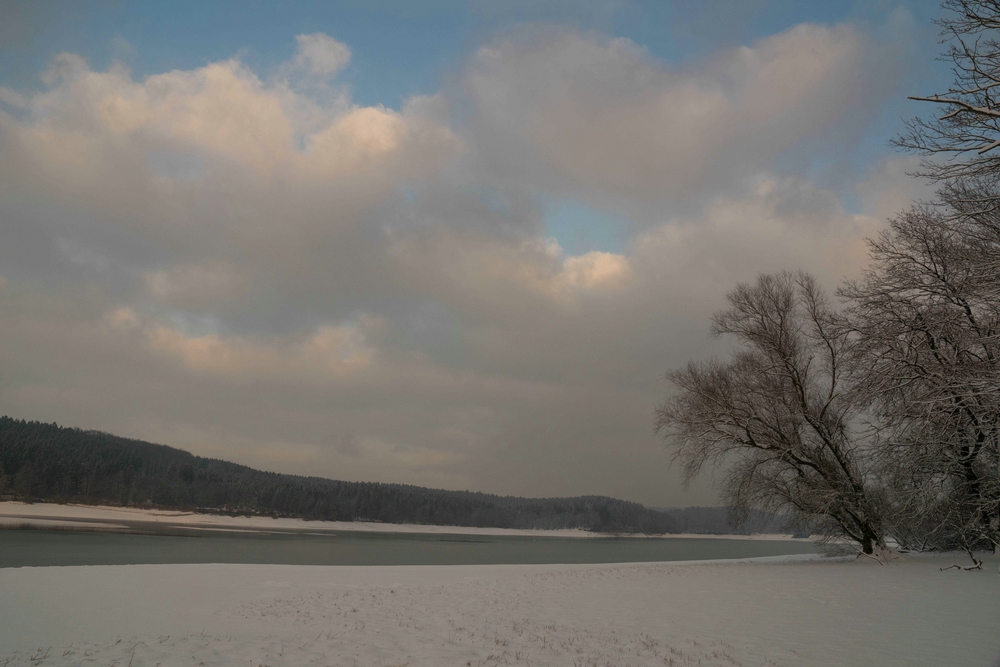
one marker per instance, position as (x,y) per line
(596,269)
(601,118)
(327,352)
(192,283)
(890,189)
(97,130)
(783,223)
(321,55)
(13,99)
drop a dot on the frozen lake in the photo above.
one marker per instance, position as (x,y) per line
(40,547)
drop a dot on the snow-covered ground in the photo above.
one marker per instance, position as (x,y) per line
(41,514)
(788,611)
(53,515)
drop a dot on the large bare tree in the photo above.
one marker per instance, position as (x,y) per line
(926,320)
(778,417)
(963,139)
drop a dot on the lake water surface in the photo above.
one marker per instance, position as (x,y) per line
(20,548)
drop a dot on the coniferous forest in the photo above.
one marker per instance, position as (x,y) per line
(53,463)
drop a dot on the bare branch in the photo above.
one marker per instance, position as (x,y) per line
(964,106)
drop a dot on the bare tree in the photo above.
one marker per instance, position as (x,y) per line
(967,132)
(777,416)
(926,320)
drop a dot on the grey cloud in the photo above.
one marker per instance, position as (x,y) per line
(603,121)
(363,294)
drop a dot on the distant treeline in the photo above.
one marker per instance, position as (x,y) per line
(53,463)
(716,520)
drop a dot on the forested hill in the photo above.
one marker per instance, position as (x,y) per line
(49,462)
(716,521)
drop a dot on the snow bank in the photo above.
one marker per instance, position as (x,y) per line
(40,514)
(798,612)
(50,511)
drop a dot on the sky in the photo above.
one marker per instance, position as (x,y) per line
(452,244)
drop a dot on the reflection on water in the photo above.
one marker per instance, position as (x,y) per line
(20,548)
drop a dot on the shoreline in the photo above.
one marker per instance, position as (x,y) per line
(16,514)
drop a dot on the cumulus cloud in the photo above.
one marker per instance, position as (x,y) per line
(605,121)
(321,55)
(484,273)
(213,175)
(596,269)
(890,189)
(221,112)
(324,353)
(189,283)
(256,269)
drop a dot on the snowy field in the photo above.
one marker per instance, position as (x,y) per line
(789,611)
(52,515)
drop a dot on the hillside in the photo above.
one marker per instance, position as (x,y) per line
(49,462)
